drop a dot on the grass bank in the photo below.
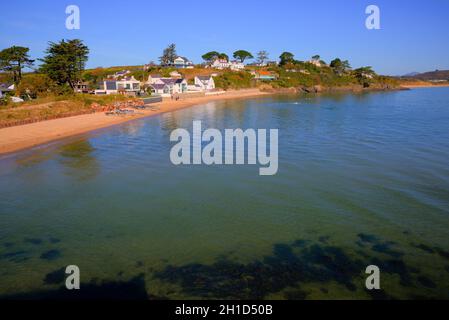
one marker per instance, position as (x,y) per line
(51,107)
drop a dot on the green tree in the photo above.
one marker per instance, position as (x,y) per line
(346,64)
(210,56)
(340,66)
(262,56)
(169,55)
(286,57)
(65,61)
(14,59)
(242,55)
(223,56)
(316,57)
(364,75)
(337,66)
(336,63)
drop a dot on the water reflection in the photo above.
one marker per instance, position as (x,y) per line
(78,159)
(34,158)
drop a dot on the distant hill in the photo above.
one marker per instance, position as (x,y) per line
(433,75)
(411,74)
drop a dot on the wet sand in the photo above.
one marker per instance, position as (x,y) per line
(26,136)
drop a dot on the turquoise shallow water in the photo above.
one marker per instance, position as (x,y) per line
(363,179)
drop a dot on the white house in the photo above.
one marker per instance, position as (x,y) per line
(127,85)
(220,64)
(236,65)
(182,63)
(154,78)
(81,87)
(160,88)
(177,85)
(317,62)
(225,64)
(205,83)
(168,86)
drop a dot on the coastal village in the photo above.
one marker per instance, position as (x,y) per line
(59,85)
(175,75)
(176,83)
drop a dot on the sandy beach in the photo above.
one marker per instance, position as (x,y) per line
(423,85)
(21,137)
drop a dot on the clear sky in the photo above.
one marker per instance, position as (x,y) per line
(413,35)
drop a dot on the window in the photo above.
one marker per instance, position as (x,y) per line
(111,85)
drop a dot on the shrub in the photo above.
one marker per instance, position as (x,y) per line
(234,80)
(35,85)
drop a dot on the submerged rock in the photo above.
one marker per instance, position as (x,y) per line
(51,255)
(35,241)
(133,289)
(55,277)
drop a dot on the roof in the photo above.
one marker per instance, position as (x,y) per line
(185,60)
(5,86)
(265,73)
(158,86)
(4,89)
(129,79)
(168,81)
(204,78)
(155,76)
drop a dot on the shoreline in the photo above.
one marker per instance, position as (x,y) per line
(413,86)
(17,138)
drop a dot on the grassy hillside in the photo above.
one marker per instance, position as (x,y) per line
(433,75)
(306,75)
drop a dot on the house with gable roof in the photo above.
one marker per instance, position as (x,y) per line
(204,83)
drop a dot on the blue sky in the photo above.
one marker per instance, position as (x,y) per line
(413,35)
